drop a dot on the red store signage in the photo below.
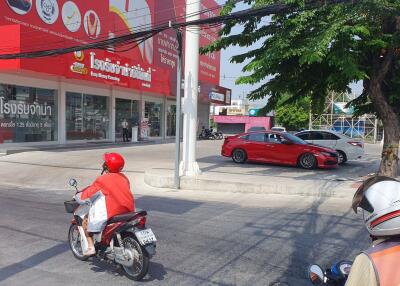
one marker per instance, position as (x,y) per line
(28,25)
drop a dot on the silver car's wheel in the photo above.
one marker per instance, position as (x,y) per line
(307,161)
(342,157)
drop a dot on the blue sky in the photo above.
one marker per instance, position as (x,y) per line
(229,71)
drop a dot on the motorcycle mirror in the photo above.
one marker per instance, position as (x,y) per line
(73,183)
(316,275)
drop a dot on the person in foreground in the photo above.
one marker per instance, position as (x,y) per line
(108,196)
(378,198)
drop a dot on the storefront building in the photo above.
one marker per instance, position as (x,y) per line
(86,95)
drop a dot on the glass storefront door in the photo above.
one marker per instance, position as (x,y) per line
(87,116)
(171,120)
(153,114)
(125,109)
(27,114)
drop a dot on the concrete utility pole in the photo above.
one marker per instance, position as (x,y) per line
(189,166)
(177,178)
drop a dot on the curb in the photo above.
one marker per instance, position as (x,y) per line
(316,188)
(82,146)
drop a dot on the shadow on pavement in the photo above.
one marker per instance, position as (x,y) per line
(316,242)
(32,261)
(166,205)
(156,270)
(218,164)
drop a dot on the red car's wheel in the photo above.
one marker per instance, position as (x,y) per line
(307,161)
(239,156)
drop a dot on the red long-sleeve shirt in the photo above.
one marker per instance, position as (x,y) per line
(116,189)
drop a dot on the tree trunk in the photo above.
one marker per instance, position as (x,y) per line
(390,153)
(391,125)
(381,65)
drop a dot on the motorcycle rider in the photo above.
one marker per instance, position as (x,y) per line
(108,196)
(379,200)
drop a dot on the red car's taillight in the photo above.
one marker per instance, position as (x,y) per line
(356,143)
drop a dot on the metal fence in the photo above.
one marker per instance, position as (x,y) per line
(367,127)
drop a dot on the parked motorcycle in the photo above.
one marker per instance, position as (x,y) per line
(210,134)
(336,275)
(219,135)
(207,134)
(125,241)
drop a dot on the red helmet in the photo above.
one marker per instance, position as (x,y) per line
(113,162)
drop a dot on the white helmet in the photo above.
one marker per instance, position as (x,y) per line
(379,199)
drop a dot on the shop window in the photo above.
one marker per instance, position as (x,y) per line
(87,116)
(27,114)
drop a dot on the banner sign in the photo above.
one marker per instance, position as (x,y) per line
(148,66)
(216,94)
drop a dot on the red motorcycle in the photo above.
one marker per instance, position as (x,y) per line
(125,240)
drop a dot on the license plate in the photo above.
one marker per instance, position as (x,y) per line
(145,236)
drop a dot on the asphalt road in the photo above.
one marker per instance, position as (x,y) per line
(232,240)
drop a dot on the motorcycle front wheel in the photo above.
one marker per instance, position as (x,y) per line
(74,241)
(140,265)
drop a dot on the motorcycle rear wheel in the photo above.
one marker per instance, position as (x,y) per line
(140,267)
(74,241)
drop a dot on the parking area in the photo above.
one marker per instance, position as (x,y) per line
(210,161)
(53,168)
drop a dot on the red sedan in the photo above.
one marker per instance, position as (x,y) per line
(278,147)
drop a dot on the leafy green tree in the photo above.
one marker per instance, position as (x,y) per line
(314,47)
(293,116)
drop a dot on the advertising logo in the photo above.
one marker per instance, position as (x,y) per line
(79,66)
(79,56)
(47,10)
(71,16)
(135,15)
(91,22)
(20,7)
(253,112)
(217,96)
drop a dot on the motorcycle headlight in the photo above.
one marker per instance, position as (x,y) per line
(345,267)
